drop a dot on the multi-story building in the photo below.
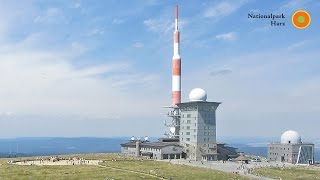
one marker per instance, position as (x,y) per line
(291,149)
(197,132)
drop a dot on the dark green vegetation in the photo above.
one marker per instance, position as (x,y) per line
(123,168)
(302,173)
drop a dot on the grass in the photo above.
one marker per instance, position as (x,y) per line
(301,173)
(169,170)
(165,169)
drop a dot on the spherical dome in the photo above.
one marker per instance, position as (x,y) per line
(198,94)
(290,137)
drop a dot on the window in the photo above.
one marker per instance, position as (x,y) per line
(194,130)
(205,133)
(188,115)
(204,139)
(208,139)
(204,127)
(188,121)
(188,127)
(195,124)
(188,133)
(181,133)
(188,139)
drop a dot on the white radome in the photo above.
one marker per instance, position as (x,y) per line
(198,94)
(290,137)
(172,130)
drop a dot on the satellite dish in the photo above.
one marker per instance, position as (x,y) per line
(172,130)
(132,138)
(146,138)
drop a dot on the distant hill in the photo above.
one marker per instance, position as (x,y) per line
(47,146)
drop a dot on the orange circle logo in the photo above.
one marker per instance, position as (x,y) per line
(301,19)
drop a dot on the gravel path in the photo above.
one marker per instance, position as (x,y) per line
(231,167)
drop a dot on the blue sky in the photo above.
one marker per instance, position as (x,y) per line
(103,68)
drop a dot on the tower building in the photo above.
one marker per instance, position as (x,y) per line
(192,126)
(174,113)
(198,126)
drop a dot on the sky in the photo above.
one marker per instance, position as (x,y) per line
(103,68)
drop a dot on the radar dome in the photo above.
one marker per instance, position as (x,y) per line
(172,130)
(198,94)
(290,137)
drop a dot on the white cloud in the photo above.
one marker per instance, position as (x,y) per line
(163,26)
(262,28)
(95,31)
(222,9)
(231,36)
(159,25)
(51,16)
(6,114)
(117,21)
(77,5)
(298,44)
(43,82)
(295,5)
(268,86)
(79,47)
(137,44)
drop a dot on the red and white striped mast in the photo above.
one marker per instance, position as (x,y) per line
(174,114)
(176,65)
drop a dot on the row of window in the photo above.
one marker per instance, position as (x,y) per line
(205,133)
(204,139)
(278,154)
(204,127)
(150,149)
(278,148)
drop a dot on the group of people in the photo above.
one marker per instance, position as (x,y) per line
(246,170)
(43,161)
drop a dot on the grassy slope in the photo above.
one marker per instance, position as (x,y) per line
(174,171)
(93,172)
(302,173)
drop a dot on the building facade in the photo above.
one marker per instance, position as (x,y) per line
(198,127)
(162,149)
(291,149)
(193,137)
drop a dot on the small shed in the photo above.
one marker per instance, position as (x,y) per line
(242,158)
